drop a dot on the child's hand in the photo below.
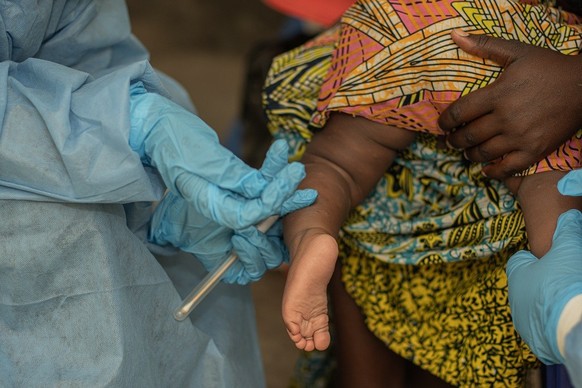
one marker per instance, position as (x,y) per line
(530,110)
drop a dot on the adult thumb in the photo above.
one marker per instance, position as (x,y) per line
(501,51)
(568,234)
(571,184)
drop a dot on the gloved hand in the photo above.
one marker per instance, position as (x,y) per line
(571,184)
(193,164)
(177,223)
(539,289)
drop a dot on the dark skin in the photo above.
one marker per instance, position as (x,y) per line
(343,179)
(528,112)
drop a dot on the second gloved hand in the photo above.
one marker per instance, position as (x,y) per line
(539,289)
(195,166)
(177,223)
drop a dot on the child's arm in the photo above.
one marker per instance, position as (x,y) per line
(542,204)
(343,163)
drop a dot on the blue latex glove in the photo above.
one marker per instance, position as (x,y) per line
(539,289)
(194,165)
(571,184)
(177,223)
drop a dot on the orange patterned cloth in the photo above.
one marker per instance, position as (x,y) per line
(396,64)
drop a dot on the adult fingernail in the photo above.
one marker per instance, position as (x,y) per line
(461,32)
(449,144)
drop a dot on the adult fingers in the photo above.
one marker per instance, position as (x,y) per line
(569,230)
(518,264)
(477,103)
(276,159)
(467,108)
(571,184)
(508,166)
(235,211)
(198,152)
(236,275)
(474,132)
(488,151)
(299,200)
(258,252)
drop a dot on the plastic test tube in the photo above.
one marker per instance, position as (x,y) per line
(211,280)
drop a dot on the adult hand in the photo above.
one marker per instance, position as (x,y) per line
(187,154)
(524,115)
(177,223)
(539,289)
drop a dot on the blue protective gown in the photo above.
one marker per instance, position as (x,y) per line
(83,302)
(573,354)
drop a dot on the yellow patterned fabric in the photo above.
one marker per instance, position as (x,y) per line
(450,319)
(424,258)
(424,255)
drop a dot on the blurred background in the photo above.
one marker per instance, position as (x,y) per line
(206,46)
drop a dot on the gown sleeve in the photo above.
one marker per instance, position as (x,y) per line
(573,355)
(65,75)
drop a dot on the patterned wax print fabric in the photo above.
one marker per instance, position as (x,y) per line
(424,255)
(396,64)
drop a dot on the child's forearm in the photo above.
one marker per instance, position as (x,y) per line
(343,163)
(329,211)
(542,204)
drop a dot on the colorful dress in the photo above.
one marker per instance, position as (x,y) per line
(424,255)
